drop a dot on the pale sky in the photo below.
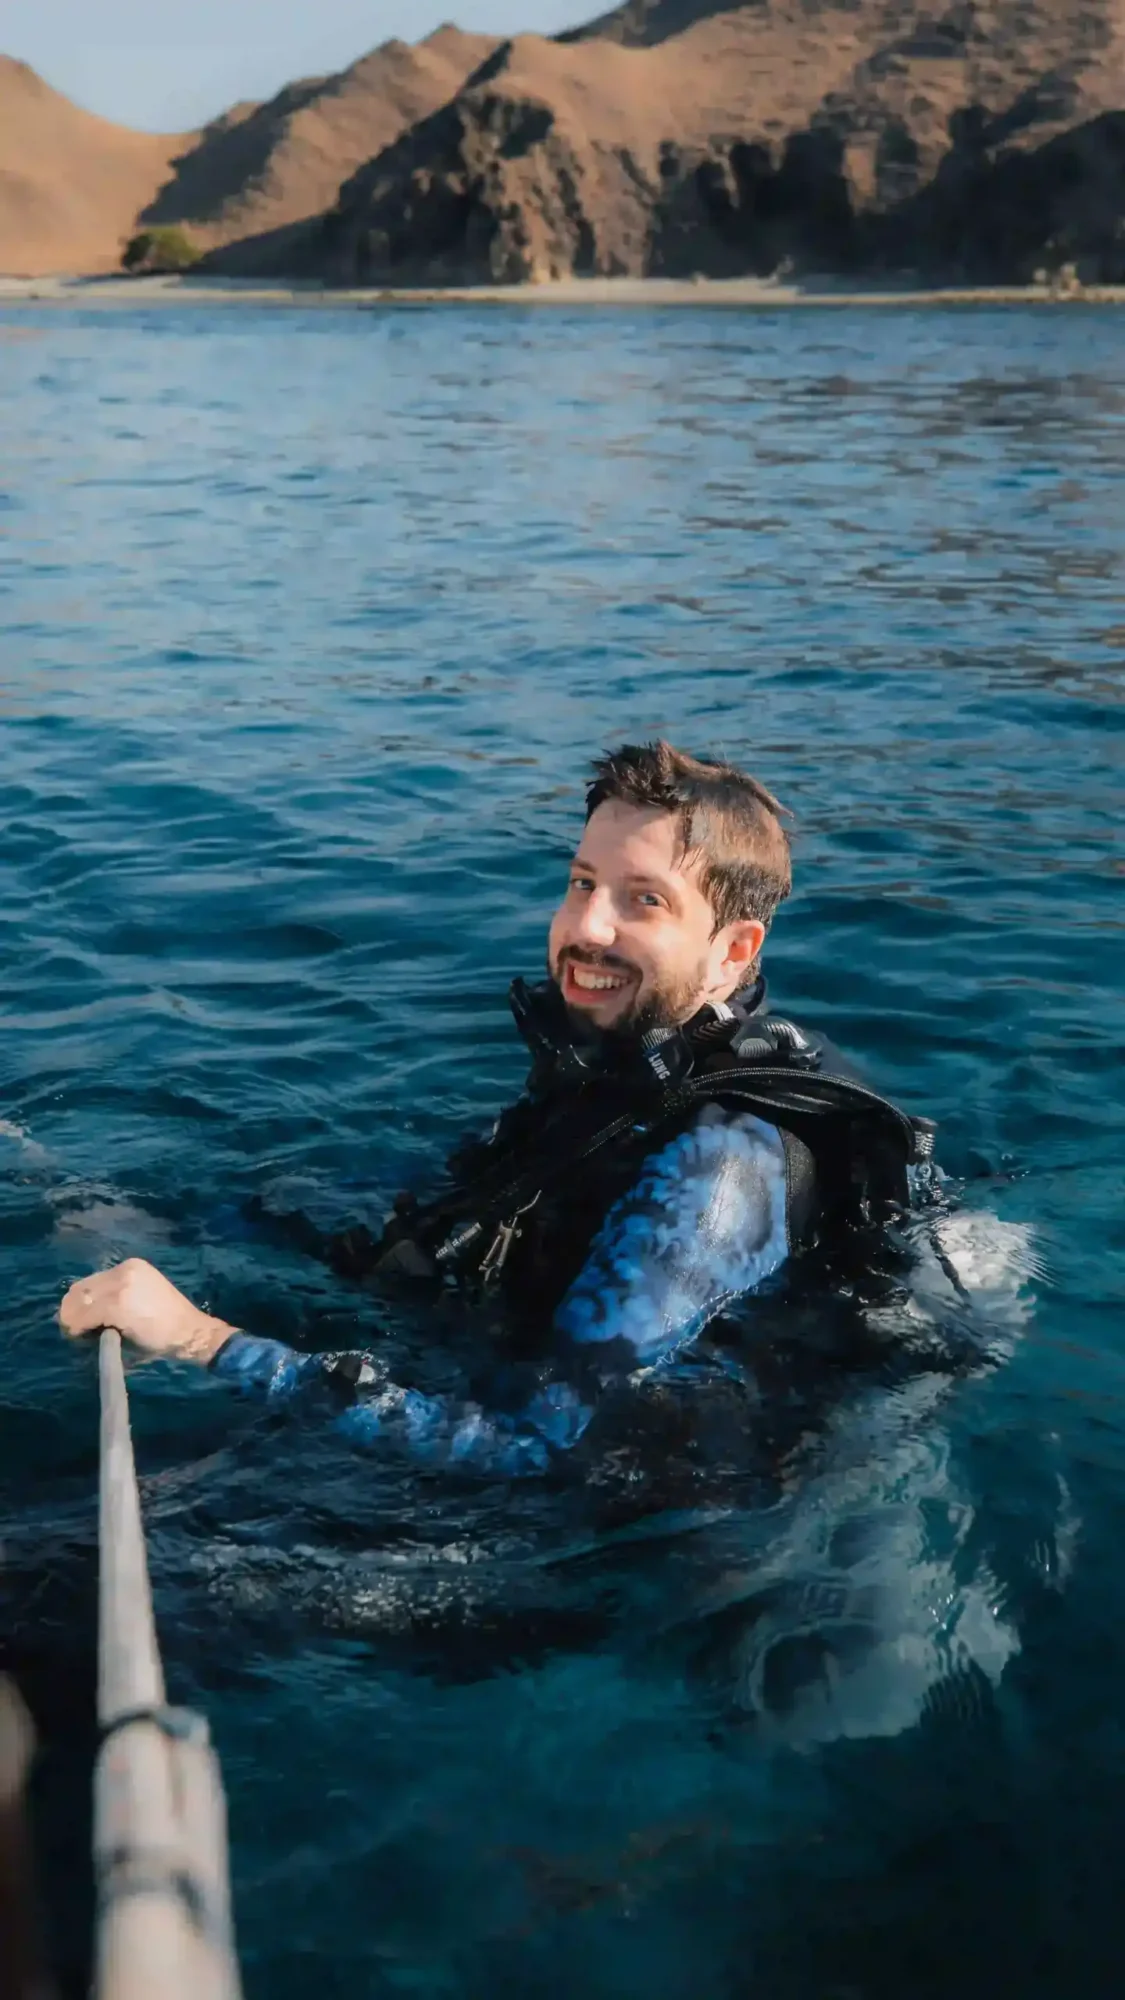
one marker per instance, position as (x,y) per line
(167,65)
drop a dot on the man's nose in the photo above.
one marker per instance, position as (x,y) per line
(597,926)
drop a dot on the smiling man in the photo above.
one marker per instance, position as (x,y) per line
(663,916)
(674,1144)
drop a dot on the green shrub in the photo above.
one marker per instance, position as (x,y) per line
(165,249)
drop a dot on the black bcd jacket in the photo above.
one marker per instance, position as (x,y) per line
(522,1206)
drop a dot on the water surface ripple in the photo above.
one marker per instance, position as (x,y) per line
(308,625)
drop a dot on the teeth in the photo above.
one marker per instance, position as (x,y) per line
(595,982)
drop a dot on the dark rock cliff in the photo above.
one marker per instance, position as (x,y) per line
(982,142)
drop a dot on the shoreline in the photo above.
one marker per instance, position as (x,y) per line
(747,293)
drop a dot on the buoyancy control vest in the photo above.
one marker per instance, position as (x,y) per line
(524,1204)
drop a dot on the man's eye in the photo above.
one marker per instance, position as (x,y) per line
(582,883)
(650,899)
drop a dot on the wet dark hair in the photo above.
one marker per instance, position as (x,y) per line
(724,816)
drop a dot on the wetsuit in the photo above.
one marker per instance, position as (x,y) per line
(704,1222)
(636,1188)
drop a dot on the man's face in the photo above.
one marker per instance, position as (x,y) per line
(633,945)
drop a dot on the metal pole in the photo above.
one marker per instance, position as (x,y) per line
(159,1818)
(130,1675)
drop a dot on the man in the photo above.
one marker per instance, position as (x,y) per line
(673,1146)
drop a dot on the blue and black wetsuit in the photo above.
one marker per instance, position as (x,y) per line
(704,1222)
(637,1187)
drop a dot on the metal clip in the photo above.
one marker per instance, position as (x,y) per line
(496,1256)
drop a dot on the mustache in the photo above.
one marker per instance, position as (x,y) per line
(573,954)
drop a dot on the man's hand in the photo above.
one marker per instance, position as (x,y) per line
(146,1308)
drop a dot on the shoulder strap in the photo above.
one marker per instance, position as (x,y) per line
(808,1092)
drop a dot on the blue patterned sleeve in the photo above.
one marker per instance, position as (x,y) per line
(704,1223)
(254,1363)
(433,1430)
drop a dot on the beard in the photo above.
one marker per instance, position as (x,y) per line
(666,1003)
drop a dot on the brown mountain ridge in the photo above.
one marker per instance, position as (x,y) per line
(981,140)
(73,188)
(70,184)
(264,167)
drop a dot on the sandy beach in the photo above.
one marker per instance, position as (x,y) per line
(744,293)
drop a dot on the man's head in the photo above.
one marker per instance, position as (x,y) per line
(677,876)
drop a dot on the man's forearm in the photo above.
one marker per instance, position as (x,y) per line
(705,1222)
(262,1364)
(435,1430)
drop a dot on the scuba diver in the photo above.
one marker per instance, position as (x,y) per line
(675,1144)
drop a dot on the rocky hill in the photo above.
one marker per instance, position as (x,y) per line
(70,184)
(73,187)
(981,140)
(250,176)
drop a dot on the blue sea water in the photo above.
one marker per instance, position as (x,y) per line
(309,624)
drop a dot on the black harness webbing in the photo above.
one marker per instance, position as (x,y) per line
(791,1091)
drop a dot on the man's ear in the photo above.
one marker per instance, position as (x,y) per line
(744,940)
